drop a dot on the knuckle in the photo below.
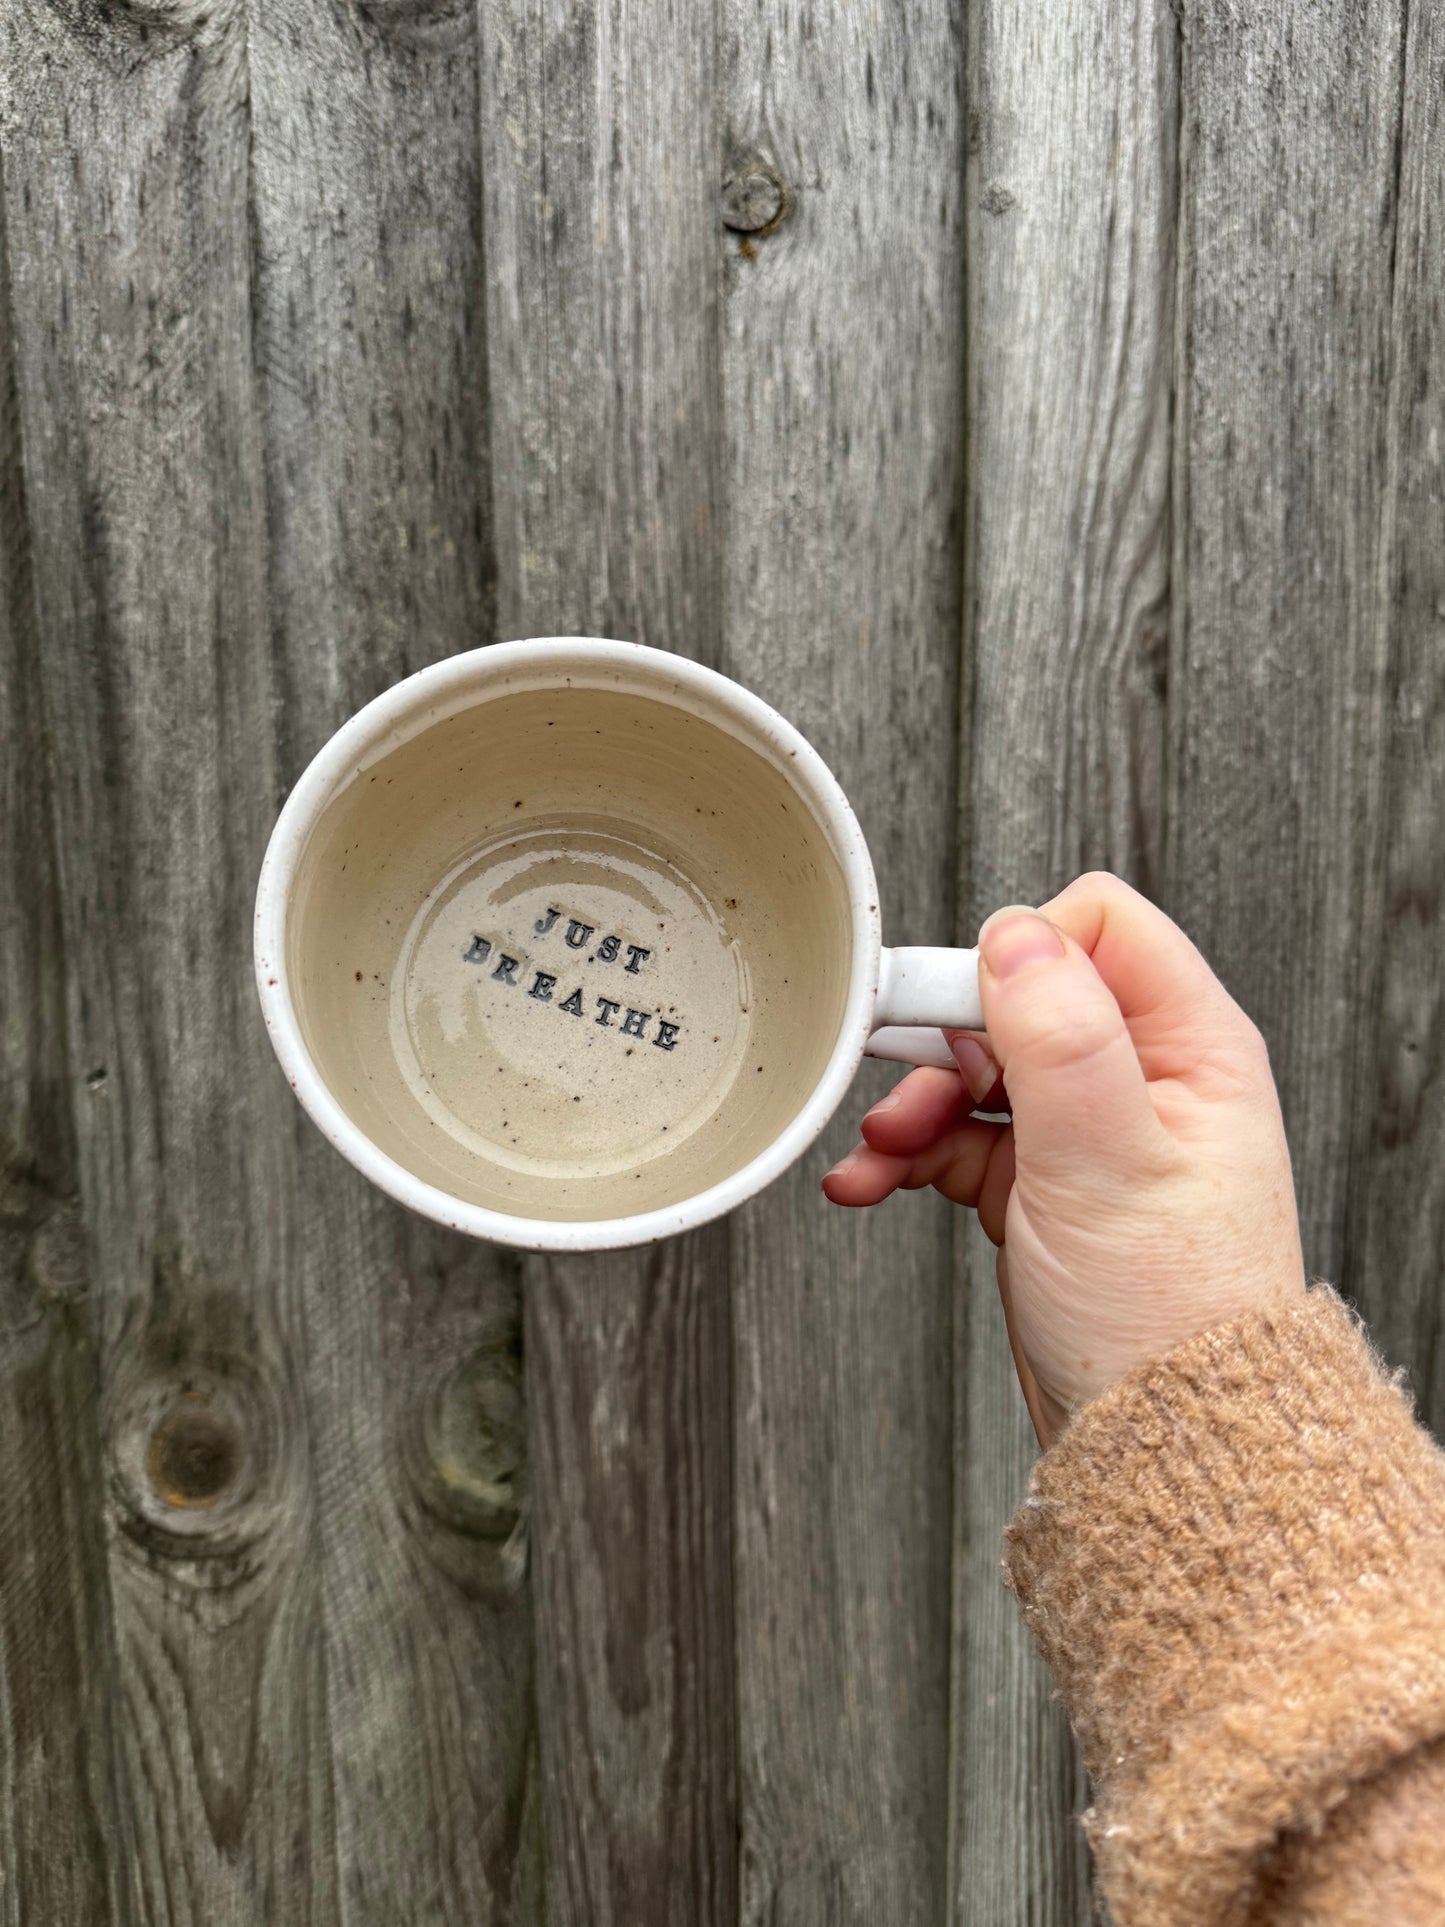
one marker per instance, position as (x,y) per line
(1097,883)
(1256,1048)
(1238,1032)
(1252,1036)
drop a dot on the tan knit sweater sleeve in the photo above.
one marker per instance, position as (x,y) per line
(1234,1562)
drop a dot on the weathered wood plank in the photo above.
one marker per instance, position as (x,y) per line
(601,178)
(371,346)
(125,194)
(59,1833)
(1290,122)
(1070,206)
(1018,1854)
(1396,1229)
(634,1599)
(370,328)
(844,421)
(601,171)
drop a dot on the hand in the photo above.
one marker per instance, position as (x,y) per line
(1142,1191)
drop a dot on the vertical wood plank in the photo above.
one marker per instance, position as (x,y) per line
(1396,1228)
(1291,117)
(601,171)
(371,349)
(371,346)
(844,421)
(628,1360)
(59,1828)
(1070,209)
(125,193)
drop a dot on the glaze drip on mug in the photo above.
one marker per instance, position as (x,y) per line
(567,998)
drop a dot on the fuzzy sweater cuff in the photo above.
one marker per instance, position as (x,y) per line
(1234,1563)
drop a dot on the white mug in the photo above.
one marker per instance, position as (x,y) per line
(574,944)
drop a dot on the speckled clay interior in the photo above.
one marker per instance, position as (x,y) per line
(570,954)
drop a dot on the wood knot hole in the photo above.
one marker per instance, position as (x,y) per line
(193,1455)
(754,199)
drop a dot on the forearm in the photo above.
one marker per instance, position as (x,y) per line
(1234,1561)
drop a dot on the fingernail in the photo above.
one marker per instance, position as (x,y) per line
(978,1069)
(888,1103)
(1010,939)
(842,1167)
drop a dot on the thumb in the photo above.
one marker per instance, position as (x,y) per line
(1079,1097)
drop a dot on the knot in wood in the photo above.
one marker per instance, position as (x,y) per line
(150,28)
(194,1454)
(475,1445)
(23,1201)
(58,1267)
(42,1253)
(436,25)
(754,199)
(199,1465)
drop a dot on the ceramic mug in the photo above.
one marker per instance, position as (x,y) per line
(574,944)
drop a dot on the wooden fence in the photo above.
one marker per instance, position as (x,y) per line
(1038,400)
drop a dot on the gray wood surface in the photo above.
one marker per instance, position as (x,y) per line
(629,1411)
(1071,192)
(1395,1231)
(370,349)
(843,608)
(126,207)
(602,250)
(1039,404)
(1290,122)
(59,1851)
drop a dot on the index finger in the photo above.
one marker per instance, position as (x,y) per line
(922,1107)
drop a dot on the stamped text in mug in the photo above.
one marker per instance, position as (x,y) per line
(577,935)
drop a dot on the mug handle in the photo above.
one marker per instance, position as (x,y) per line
(921,991)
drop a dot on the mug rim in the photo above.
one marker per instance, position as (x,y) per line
(447,688)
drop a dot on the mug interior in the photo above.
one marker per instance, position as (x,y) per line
(571,953)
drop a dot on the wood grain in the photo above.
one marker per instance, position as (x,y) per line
(59,1830)
(629,1421)
(1070,210)
(843,414)
(125,194)
(1396,1227)
(370,330)
(1040,406)
(371,351)
(1291,117)
(601,175)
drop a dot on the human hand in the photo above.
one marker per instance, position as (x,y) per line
(1142,1191)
